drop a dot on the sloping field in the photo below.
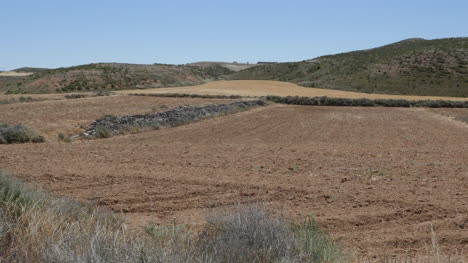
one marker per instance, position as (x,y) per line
(265,87)
(74,115)
(375,178)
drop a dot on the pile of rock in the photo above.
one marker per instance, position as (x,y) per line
(177,116)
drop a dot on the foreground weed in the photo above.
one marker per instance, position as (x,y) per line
(39,227)
(64,138)
(18,134)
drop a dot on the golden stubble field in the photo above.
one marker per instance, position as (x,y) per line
(376,178)
(277,88)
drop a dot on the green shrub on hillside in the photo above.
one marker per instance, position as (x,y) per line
(18,134)
(102,132)
(411,67)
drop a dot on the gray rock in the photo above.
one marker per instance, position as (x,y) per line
(177,116)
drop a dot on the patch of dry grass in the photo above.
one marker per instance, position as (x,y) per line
(38,227)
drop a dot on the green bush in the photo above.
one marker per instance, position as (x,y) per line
(64,138)
(25,99)
(255,234)
(102,132)
(18,134)
(75,96)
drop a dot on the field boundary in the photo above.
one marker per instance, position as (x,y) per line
(330,101)
(188,95)
(326,101)
(113,125)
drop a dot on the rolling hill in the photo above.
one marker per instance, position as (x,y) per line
(411,67)
(30,70)
(111,76)
(234,66)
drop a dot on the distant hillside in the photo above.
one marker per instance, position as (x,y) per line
(410,67)
(112,76)
(31,70)
(234,66)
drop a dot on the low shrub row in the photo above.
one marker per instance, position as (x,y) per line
(18,134)
(18,100)
(186,95)
(75,96)
(329,101)
(98,93)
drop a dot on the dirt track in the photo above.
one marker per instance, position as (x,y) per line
(375,178)
(266,87)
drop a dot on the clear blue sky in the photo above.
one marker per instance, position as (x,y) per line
(71,32)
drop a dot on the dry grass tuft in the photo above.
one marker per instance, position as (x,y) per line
(18,134)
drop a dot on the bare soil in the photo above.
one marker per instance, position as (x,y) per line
(277,88)
(375,178)
(72,116)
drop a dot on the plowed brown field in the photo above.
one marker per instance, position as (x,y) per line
(375,178)
(277,88)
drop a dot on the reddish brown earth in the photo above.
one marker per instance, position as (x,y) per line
(375,178)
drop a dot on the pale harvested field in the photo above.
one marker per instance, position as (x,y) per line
(264,88)
(375,178)
(14,74)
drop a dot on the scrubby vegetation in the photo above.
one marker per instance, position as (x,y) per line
(18,100)
(416,66)
(75,96)
(30,69)
(111,76)
(64,138)
(39,227)
(98,93)
(328,101)
(102,132)
(18,134)
(102,93)
(185,95)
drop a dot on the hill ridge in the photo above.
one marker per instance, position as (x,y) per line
(436,67)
